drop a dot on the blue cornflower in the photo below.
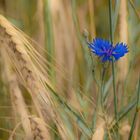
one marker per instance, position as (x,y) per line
(106,51)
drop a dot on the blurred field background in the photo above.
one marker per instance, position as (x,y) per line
(60,29)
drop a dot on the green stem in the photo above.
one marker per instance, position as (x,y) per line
(93,68)
(136,112)
(136,12)
(93,72)
(133,126)
(102,87)
(116,13)
(49,38)
(114,91)
(113,67)
(81,123)
(110,21)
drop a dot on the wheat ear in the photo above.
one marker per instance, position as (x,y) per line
(40,132)
(28,68)
(28,74)
(16,96)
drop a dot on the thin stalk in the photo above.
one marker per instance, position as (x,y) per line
(49,38)
(136,113)
(128,109)
(93,124)
(102,86)
(133,126)
(110,21)
(136,12)
(93,70)
(113,66)
(91,17)
(114,91)
(116,13)
(92,62)
(115,19)
(81,123)
(75,20)
(123,112)
(100,101)
(122,115)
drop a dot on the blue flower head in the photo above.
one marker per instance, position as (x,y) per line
(106,51)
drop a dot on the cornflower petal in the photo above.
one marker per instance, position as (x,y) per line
(119,50)
(105,50)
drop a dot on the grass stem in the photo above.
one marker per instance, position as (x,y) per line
(82,124)
(113,66)
(136,113)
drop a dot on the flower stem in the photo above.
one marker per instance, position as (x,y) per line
(102,87)
(81,123)
(114,91)
(113,66)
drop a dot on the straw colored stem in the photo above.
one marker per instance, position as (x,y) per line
(91,14)
(123,64)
